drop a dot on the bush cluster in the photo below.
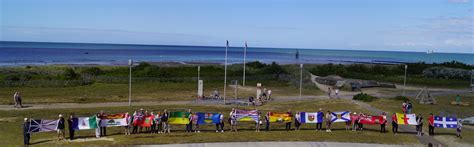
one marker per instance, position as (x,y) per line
(364,97)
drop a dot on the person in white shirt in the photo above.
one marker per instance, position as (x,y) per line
(297,121)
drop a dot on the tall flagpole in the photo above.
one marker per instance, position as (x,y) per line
(225,69)
(245,56)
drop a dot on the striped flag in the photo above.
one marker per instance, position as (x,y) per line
(40,125)
(246,115)
(311,117)
(114,120)
(179,118)
(406,119)
(342,116)
(445,122)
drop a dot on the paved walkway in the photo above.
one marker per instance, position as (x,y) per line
(277,144)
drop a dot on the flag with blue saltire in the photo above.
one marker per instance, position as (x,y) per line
(41,125)
(246,115)
(445,122)
(311,117)
(208,118)
(341,116)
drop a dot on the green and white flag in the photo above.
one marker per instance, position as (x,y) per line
(84,123)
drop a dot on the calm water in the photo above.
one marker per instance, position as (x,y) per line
(31,53)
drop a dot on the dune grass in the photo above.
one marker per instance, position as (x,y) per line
(11,123)
(442,107)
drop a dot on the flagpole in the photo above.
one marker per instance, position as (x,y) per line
(225,69)
(245,56)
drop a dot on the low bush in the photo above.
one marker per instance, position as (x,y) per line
(364,97)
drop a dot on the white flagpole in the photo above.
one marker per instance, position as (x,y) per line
(245,56)
(225,69)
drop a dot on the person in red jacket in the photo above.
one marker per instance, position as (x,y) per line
(394,124)
(431,125)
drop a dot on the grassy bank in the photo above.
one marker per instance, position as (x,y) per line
(11,121)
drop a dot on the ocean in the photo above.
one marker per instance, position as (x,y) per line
(45,53)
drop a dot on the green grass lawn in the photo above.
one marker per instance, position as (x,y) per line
(143,91)
(443,106)
(11,123)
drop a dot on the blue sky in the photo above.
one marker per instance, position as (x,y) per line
(399,25)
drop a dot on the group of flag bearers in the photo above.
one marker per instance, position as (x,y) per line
(160,122)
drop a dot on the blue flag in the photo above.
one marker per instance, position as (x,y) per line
(208,118)
(445,122)
(311,117)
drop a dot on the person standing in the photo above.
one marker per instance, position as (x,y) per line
(97,129)
(70,122)
(288,124)
(267,121)
(297,121)
(361,116)
(103,129)
(129,119)
(164,121)
(269,94)
(458,129)
(383,123)
(394,123)
(60,128)
(409,107)
(419,125)
(26,132)
(354,120)
(320,116)
(189,126)
(158,124)
(15,99)
(431,125)
(404,107)
(329,92)
(197,128)
(233,120)
(328,121)
(337,92)
(134,119)
(220,124)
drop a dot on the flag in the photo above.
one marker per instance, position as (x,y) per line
(208,118)
(406,119)
(83,123)
(147,121)
(342,116)
(246,115)
(445,122)
(280,117)
(179,118)
(311,117)
(138,119)
(40,125)
(371,120)
(114,120)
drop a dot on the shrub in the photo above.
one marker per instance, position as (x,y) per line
(364,97)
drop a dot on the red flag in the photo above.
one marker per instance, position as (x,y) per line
(372,120)
(147,121)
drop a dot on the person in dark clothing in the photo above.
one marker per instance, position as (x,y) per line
(267,122)
(288,124)
(189,126)
(61,127)
(394,124)
(382,124)
(26,133)
(70,123)
(103,130)
(319,124)
(419,126)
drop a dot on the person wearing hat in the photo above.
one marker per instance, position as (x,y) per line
(61,127)
(26,133)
